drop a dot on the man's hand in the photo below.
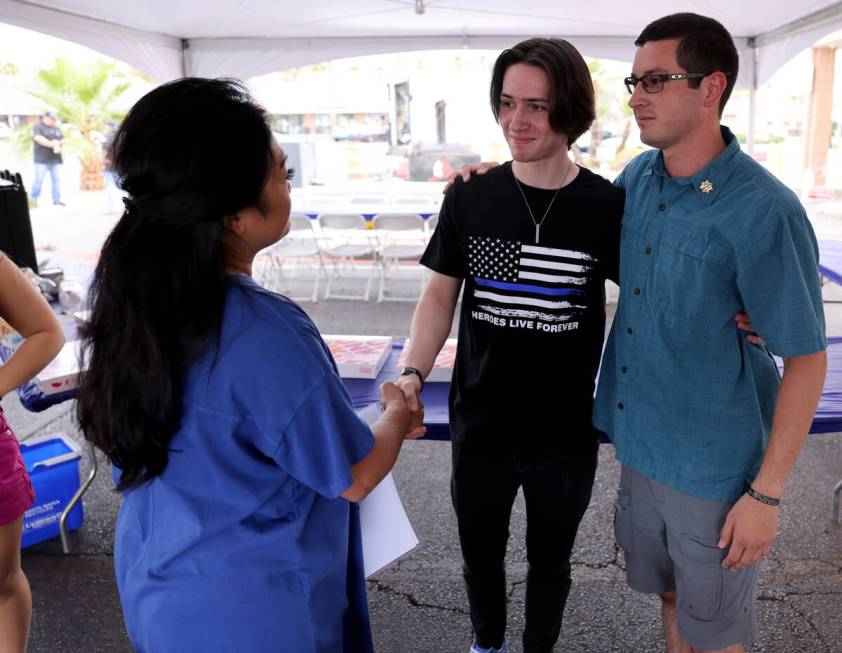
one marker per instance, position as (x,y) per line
(410,386)
(467,170)
(750,528)
(744,324)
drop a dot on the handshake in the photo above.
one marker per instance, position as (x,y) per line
(401,400)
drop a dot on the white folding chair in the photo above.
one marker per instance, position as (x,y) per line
(373,199)
(401,241)
(346,240)
(295,251)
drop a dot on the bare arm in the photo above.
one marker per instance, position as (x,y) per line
(43,140)
(29,314)
(430,327)
(801,388)
(751,526)
(389,433)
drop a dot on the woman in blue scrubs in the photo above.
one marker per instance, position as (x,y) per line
(233,439)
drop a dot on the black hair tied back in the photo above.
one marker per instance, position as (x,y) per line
(188,154)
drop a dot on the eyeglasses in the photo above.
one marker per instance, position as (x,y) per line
(654,82)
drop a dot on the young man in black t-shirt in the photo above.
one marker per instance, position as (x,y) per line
(533,240)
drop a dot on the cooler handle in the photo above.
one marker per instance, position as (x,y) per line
(73,455)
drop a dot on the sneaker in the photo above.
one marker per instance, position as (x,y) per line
(476,648)
(59,203)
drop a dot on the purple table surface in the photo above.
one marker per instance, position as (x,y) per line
(366,391)
(828,418)
(830,259)
(435,397)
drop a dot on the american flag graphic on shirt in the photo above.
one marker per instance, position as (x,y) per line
(513,279)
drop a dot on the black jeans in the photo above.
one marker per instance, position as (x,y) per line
(557,493)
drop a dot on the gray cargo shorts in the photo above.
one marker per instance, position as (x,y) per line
(670,540)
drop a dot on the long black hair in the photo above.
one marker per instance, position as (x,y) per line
(188,154)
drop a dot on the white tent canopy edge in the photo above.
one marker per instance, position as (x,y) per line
(166,56)
(767,35)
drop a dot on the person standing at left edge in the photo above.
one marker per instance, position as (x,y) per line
(706,430)
(46,148)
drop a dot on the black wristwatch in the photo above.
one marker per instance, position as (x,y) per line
(415,371)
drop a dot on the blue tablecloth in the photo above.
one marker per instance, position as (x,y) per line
(363,393)
(830,260)
(828,418)
(366,391)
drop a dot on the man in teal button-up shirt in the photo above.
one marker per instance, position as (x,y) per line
(698,413)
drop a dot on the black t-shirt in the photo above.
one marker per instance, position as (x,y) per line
(46,154)
(533,315)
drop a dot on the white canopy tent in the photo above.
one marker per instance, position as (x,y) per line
(243,38)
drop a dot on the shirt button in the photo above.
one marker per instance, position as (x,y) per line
(630,330)
(648,250)
(620,406)
(637,291)
(624,369)
(662,207)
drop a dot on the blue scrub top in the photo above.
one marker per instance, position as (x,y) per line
(243,543)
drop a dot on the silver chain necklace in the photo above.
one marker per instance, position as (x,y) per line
(538,223)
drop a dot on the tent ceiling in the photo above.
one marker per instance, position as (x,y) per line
(169,38)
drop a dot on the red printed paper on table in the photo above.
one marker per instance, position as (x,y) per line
(63,371)
(359,357)
(443,367)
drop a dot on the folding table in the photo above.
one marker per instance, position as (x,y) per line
(828,417)
(830,260)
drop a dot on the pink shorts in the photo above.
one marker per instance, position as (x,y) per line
(16,493)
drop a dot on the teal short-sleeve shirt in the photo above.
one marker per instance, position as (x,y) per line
(684,396)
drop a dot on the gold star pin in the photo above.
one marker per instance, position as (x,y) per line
(706,186)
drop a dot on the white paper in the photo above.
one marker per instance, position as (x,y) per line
(386,532)
(62,373)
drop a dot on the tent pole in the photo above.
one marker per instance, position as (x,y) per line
(185,46)
(827,15)
(752,99)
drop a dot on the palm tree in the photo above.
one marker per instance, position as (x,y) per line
(82,96)
(9,69)
(611,105)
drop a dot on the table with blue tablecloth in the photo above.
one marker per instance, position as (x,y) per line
(367,391)
(364,392)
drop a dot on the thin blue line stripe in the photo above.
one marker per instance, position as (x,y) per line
(523,287)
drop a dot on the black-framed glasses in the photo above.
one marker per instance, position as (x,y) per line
(654,82)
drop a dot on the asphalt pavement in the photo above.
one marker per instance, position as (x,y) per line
(418,604)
